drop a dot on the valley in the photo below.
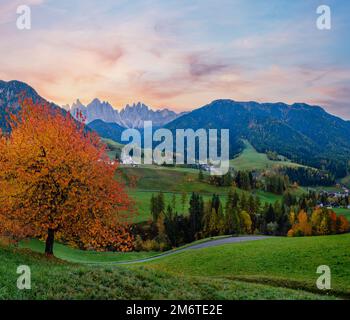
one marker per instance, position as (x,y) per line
(187,228)
(177,180)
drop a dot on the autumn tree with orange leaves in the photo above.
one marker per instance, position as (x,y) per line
(322,222)
(56,182)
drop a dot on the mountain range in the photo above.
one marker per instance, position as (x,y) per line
(305,134)
(131,116)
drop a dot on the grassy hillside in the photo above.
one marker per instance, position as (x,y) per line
(168,179)
(81,256)
(346,181)
(70,254)
(284,262)
(250,159)
(143,199)
(152,179)
(261,269)
(55,279)
(113,147)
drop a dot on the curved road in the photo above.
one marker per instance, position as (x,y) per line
(207,244)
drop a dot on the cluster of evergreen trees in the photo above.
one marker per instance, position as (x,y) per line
(273,155)
(242,179)
(309,177)
(240,214)
(276,183)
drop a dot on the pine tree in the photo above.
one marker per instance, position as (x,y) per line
(215,202)
(183,201)
(221,221)
(243,204)
(173,201)
(157,206)
(232,220)
(235,199)
(161,203)
(153,206)
(270,214)
(196,214)
(251,204)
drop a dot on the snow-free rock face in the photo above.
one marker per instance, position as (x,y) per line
(132,116)
(76,108)
(97,110)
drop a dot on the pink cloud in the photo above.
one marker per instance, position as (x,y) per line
(142,58)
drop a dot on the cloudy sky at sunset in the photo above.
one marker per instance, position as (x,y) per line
(180,54)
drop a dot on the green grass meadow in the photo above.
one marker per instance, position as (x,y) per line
(250,159)
(275,268)
(152,179)
(282,262)
(82,256)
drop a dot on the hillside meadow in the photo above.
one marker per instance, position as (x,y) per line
(57,279)
(250,159)
(176,181)
(282,262)
(143,181)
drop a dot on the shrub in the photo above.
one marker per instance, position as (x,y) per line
(138,244)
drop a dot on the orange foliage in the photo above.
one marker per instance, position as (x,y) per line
(304,224)
(55,176)
(302,227)
(290,233)
(333,222)
(343,224)
(322,222)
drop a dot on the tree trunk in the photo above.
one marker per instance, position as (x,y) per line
(49,242)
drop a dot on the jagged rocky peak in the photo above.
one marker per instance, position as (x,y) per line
(131,116)
(77,104)
(97,103)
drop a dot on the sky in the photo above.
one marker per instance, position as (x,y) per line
(180,54)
